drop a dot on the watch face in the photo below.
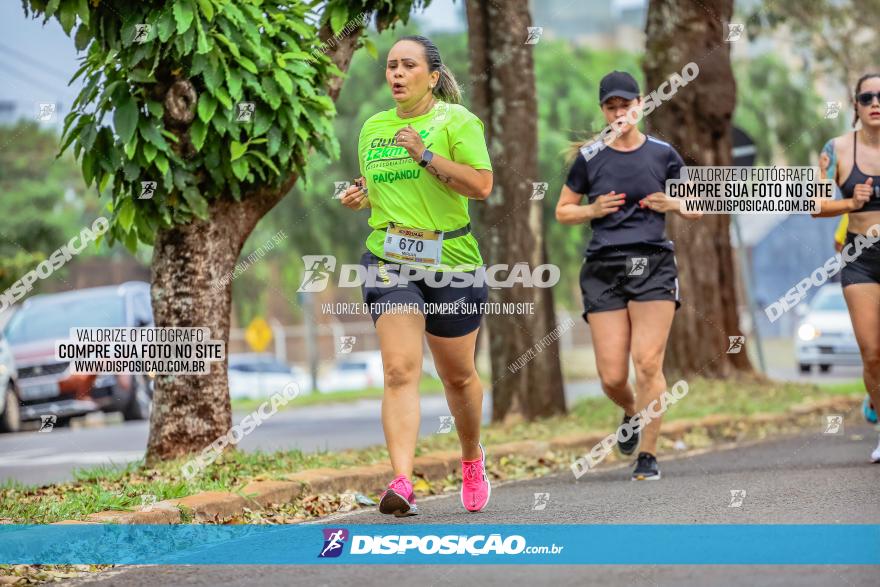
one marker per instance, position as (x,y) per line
(426,158)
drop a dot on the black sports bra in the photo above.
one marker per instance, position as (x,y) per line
(856,177)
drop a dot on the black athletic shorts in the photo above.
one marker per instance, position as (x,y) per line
(863,269)
(639,273)
(452,311)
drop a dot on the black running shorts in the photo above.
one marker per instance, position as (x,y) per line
(638,273)
(863,269)
(451,311)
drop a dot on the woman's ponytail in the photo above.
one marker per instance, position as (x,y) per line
(447,88)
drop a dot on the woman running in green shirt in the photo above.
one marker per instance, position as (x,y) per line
(420,163)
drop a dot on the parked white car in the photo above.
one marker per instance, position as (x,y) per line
(355,371)
(258,375)
(10,414)
(825,335)
(362,370)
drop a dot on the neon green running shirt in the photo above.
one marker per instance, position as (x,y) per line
(402,192)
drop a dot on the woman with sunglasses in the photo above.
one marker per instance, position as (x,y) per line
(629,279)
(421,162)
(856,157)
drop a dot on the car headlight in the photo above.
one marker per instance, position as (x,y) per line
(807,332)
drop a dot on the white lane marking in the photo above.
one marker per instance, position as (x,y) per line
(80,458)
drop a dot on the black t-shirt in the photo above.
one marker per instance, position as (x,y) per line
(635,173)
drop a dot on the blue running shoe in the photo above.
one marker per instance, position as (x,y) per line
(869,411)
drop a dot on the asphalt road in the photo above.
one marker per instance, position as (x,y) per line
(37,458)
(33,457)
(810,478)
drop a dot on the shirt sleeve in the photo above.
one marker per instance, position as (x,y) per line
(577,180)
(360,151)
(674,165)
(467,144)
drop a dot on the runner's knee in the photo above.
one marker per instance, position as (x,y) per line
(614,383)
(648,367)
(400,372)
(459,381)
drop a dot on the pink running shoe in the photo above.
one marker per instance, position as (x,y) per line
(475,487)
(399,499)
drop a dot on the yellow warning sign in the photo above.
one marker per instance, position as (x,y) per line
(258,334)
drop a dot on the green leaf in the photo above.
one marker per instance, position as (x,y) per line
(155,108)
(83,37)
(233,82)
(283,80)
(370,46)
(82,10)
(223,96)
(207,9)
(233,48)
(274,140)
(131,242)
(207,106)
(263,119)
(196,203)
(265,160)
(125,214)
(240,169)
(149,151)
(166,25)
(183,14)
(104,181)
(67,17)
(87,135)
(247,64)
(145,232)
(151,133)
(273,95)
(294,55)
(52,7)
(236,150)
(197,133)
(170,136)
(130,148)
(88,167)
(202,43)
(162,163)
(125,119)
(213,73)
(338,17)
(131,170)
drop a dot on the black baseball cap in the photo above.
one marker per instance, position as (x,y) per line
(618,84)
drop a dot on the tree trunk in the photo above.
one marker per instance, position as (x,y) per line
(511,226)
(697,122)
(192,411)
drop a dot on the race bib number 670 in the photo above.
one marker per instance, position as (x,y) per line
(413,245)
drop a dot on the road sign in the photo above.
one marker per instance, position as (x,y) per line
(258,334)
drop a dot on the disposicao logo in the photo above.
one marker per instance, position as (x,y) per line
(334,541)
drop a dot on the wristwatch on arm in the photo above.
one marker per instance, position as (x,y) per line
(426,158)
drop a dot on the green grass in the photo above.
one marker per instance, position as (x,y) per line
(428,386)
(102,488)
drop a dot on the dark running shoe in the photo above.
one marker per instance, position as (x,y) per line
(646,468)
(628,446)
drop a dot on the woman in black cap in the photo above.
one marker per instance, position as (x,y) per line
(629,279)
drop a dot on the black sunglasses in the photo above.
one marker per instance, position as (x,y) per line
(867,98)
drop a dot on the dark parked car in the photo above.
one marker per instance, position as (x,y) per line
(46,385)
